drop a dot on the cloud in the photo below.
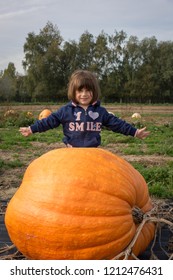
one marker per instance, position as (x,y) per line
(17,13)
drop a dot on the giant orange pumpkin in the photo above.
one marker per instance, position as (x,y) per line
(77,203)
(44,114)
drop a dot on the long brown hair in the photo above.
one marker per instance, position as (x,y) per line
(83,79)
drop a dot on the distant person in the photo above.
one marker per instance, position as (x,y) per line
(83,117)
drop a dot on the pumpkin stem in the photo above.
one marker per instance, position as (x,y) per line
(137,215)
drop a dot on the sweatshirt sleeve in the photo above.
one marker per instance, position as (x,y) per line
(118,125)
(52,121)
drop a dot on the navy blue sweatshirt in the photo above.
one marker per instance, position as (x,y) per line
(81,127)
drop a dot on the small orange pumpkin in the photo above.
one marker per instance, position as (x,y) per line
(76,204)
(44,114)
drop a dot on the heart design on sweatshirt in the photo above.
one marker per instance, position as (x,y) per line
(93,115)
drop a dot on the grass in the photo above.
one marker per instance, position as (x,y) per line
(159,176)
(159,142)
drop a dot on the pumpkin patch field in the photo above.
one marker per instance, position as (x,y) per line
(126,184)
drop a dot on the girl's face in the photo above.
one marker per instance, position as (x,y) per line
(84,97)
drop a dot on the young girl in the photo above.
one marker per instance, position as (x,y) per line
(83,118)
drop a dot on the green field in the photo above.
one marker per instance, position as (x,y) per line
(152,157)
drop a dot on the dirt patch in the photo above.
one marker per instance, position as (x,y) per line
(147,159)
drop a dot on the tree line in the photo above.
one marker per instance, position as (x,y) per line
(128,69)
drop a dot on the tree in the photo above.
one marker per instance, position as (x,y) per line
(85,51)
(114,74)
(165,71)
(129,70)
(101,54)
(138,69)
(69,62)
(8,83)
(42,63)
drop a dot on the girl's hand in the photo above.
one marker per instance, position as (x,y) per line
(25,131)
(142,133)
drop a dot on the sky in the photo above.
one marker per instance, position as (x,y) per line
(140,18)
